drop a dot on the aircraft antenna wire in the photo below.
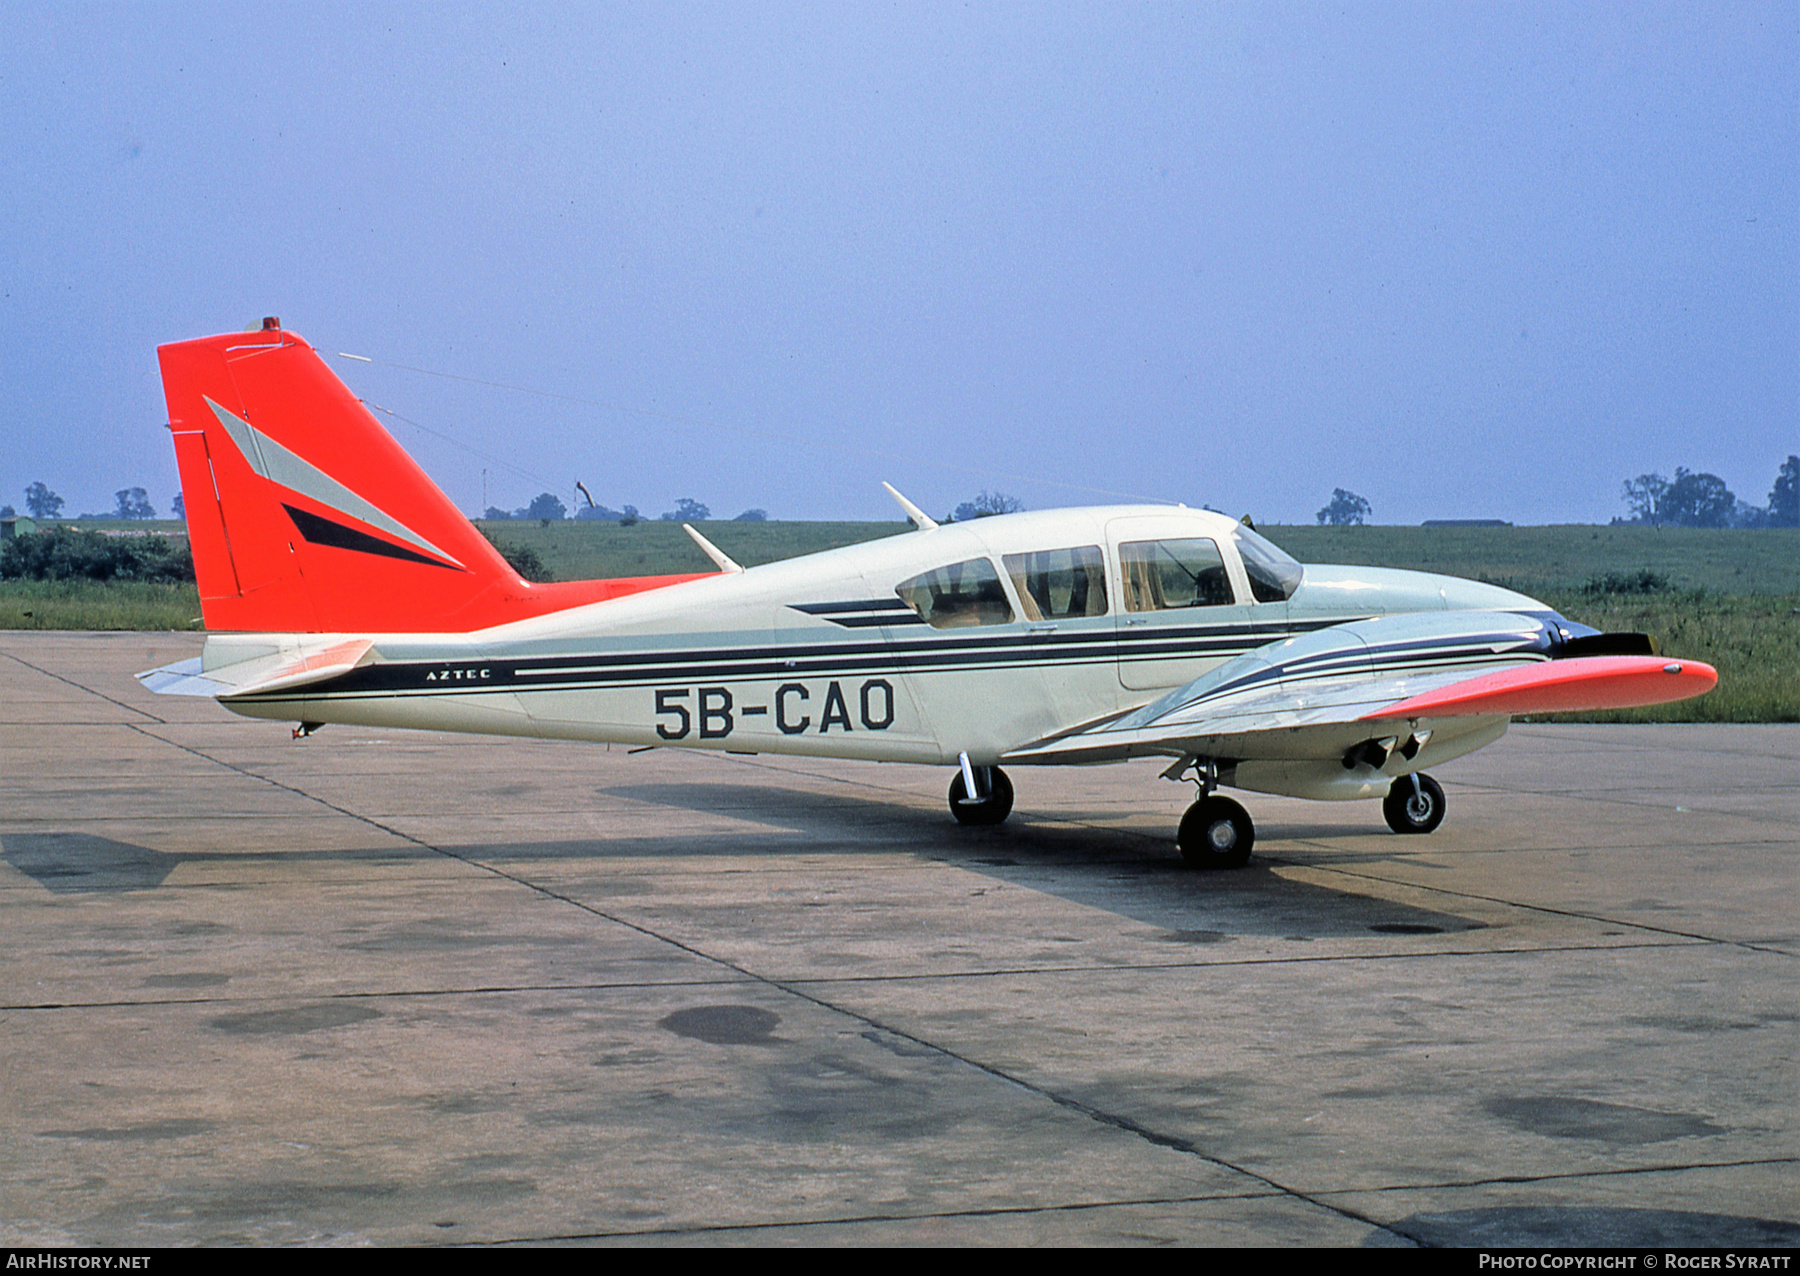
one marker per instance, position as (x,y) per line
(766,435)
(456,442)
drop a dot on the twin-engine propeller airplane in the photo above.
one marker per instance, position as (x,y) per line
(340,585)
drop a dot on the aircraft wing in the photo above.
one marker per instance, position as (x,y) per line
(287,666)
(1374,682)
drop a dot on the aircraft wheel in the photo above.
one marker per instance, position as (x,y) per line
(1216,833)
(1414,812)
(994,809)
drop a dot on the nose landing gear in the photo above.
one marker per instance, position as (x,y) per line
(980,794)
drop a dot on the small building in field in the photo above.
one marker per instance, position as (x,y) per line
(16,525)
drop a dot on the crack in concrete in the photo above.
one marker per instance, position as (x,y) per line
(998,1211)
(1562,1176)
(89,690)
(1597,918)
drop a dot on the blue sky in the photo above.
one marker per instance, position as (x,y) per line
(1466,260)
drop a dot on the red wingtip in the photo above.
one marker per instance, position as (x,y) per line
(1563,686)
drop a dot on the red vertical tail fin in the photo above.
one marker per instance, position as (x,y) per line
(305,516)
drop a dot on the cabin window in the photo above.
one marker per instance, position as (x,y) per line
(1059,584)
(1273,575)
(1178,573)
(959,596)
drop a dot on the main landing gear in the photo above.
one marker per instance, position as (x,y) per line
(980,794)
(1216,832)
(1415,804)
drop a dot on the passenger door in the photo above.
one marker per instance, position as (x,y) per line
(1182,605)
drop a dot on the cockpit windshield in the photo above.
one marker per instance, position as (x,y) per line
(1273,575)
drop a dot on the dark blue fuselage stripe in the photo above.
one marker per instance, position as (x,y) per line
(439,677)
(867,604)
(762,670)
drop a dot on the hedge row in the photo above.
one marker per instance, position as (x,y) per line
(62,553)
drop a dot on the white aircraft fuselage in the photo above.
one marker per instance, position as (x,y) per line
(820,656)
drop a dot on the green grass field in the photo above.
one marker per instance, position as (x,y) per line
(90,604)
(1535,560)
(1752,640)
(1732,598)
(1541,560)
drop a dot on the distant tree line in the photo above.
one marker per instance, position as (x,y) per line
(985,505)
(687,510)
(604,514)
(546,508)
(1703,500)
(1688,499)
(129,502)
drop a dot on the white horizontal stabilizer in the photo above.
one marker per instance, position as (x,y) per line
(183,678)
(294,666)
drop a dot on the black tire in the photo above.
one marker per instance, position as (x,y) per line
(1409,812)
(992,811)
(1216,833)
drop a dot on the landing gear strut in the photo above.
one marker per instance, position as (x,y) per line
(1415,804)
(1216,832)
(992,798)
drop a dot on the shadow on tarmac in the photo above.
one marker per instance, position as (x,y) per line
(1129,873)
